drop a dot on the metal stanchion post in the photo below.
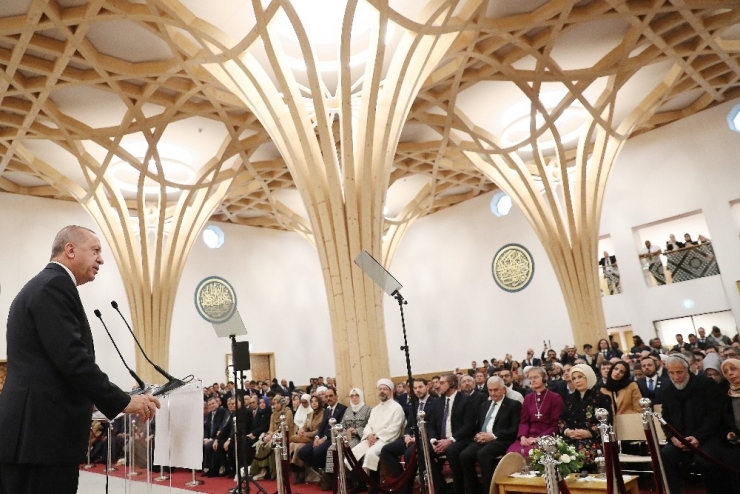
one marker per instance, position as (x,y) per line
(602,415)
(548,445)
(647,421)
(337,433)
(111,438)
(421,420)
(132,449)
(194,482)
(278,438)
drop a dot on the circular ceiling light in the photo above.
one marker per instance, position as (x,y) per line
(176,167)
(501,204)
(733,118)
(516,121)
(213,236)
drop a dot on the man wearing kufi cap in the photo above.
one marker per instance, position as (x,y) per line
(385,425)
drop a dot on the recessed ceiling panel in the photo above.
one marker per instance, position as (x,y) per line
(93,107)
(128,41)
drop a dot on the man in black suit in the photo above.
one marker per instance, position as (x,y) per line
(530,360)
(391,452)
(314,454)
(498,422)
(52,379)
(680,344)
(454,431)
(652,384)
(212,426)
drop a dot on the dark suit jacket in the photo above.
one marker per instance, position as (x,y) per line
(506,424)
(219,419)
(431,417)
(52,380)
(337,414)
(656,396)
(612,260)
(535,362)
(462,420)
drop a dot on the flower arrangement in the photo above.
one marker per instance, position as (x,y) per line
(571,461)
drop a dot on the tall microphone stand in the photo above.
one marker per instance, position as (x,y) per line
(392,287)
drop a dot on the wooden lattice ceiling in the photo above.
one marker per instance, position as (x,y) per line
(80,79)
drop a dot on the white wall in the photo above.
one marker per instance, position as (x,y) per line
(456,312)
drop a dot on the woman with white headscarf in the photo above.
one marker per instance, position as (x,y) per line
(354,421)
(303,411)
(578,423)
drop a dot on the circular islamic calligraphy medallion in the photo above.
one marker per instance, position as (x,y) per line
(215,300)
(512,267)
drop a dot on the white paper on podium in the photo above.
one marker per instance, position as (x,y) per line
(179,434)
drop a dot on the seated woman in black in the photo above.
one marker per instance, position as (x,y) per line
(578,423)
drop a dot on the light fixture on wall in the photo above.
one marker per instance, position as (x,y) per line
(213,236)
(687,304)
(733,118)
(501,204)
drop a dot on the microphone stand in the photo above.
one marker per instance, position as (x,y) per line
(142,387)
(414,399)
(172,382)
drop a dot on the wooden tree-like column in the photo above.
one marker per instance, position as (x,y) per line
(561,194)
(342,169)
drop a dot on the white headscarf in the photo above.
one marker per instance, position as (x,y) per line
(361,403)
(301,415)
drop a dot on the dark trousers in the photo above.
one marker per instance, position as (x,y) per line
(453,458)
(314,457)
(486,455)
(390,457)
(714,479)
(35,479)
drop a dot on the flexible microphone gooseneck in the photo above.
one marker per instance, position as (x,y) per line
(142,386)
(172,382)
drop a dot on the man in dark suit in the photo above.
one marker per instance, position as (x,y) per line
(454,431)
(212,426)
(314,454)
(652,384)
(53,380)
(498,422)
(391,452)
(530,360)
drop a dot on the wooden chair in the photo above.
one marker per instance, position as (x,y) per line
(510,463)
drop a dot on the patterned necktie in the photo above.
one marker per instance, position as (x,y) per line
(650,384)
(488,417)
(421,406)
(445,415)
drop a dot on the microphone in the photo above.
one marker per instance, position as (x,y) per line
(172,382)
(142,386)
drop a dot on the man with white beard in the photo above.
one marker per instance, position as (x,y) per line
(384,426)
(693,405)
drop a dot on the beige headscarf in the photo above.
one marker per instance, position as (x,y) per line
(734,391)
(304,412)
(587,371)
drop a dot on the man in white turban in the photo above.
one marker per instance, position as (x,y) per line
(385,425)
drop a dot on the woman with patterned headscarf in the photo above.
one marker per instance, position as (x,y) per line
(578,423)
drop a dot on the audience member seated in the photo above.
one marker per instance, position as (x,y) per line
(540,413)
(218,456)
(578,423)
(605,351)
(623,391)
(712,369)
(263,464)
(212,423)
(680,344)
(453,432)
(530,360)
(404,446)
(693,405)
(305,435)
(511,386)
(354,421)
(497,425)
(313,454)
(730,430)
(651,385)
(717,338)
(384,426)
(261,413)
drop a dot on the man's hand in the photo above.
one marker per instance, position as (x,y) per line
(408,440)
(215,445)
(694,441)
(484,437)
(142,405)
(372,439)
(226,444)
(678,444)
(441,446)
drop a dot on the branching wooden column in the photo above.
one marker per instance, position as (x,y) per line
(339,145)
(562,193)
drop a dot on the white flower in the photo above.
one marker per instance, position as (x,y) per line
(565,459)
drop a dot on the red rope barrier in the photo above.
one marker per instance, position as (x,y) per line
(335,481)
(654,452)
(700,452)
(388,487)
(563,486)
(286,475)
(609,462)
